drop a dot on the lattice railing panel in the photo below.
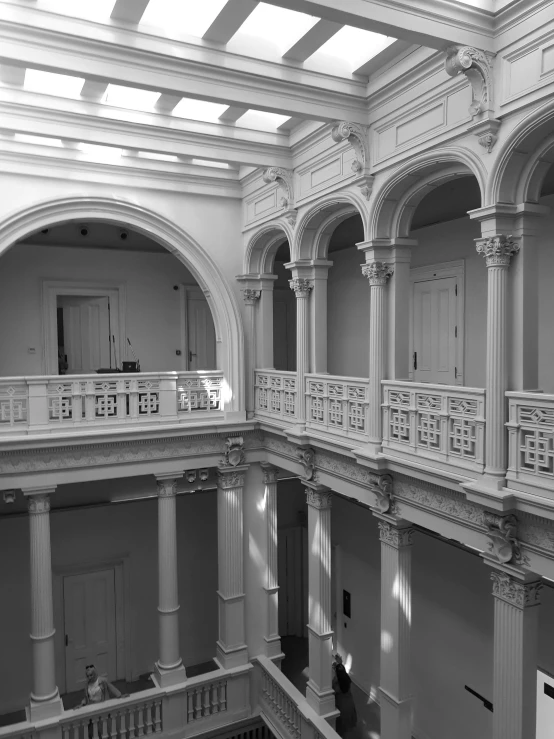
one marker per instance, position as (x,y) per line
(531,438)
(14,404)
(199,393)
(276,394)
(337,404)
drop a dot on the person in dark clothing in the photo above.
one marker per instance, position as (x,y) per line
(344,702)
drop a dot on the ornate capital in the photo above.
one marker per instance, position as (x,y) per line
(477,67)
(357,137)
(497,250)
(251,296)
(320,499)
(284,177)
(395,536)
(514,592)
(269,473)
(38,504)
(502,534)
(306,455)
(301,286)
(167,488)
(234,454)
(230,479)
(377,272)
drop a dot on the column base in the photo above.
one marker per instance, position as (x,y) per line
(396,716)
(323,703)
(42,710)
(228,658)
(164,677)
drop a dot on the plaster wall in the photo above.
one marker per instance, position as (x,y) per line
(546,300)
(100,534)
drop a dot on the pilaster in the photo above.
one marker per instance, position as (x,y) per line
(302,287)
(271,586)
(251,299)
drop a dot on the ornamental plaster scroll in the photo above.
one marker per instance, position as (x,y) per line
(514,592)
(285,180)
(38,504)
(301,286)
(251,296)
(497,250)
(503,542)
(306,455)
(234,454)
(319,499)
(358,137)
(230,479)
(395,536)
(167,488)
(382,489)
(476,65)
(444,502)
(378,273)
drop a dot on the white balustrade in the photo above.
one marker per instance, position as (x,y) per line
(338,405)
(139,716)
(531,441)
(276,395)
(439,422)
(206,699)
(47,404)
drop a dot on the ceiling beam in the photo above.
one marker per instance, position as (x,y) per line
(289,124)
(32,38)
(432,23)
(166,103)
(129,11)
(232,114)
(10,75)
(382,58)
(230,19)
(93,89)
(312,40)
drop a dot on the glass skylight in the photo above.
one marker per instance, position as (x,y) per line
(158,156)
(100,153)
(270,31)
(182,17)
(49,83)
(94,10)
(208,163)
(26,138)
(347,50)
(261,120)
(130,97)
(199,110)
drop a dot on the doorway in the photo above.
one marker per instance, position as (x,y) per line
(198,331)
(89,605)
(84,334)
(292,553)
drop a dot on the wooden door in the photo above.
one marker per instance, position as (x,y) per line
(90,631)
(86,330)
(435,331)
(200,332)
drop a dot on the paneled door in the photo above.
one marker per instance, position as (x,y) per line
(435,331)
(90,630)
(293,581)
(200,332)
(86,333)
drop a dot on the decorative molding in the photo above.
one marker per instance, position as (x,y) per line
(269,473)
(306,455)
(319,499)
(234,454)
(301,286)
(383,493)
(395,536)
(285,180)
(536,532)
(229,479)
(497,250)
(502,534)
(514,592)
(38,504)
(251,296)
(168,488)
(358,137)
(450,504)
(377,273)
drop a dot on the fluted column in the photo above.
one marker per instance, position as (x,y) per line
(251,298)
(45,698)
(319,693)
(498,251)
(271,586)
(302,288)
(169,667)
(377,273)
(396,620)
(516,622)
(231,646)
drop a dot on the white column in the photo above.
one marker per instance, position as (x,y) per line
(302,288)
(497,251)
(396,620)
(45,698)
(318,315)
(231,646)
(516,623)
(271,587)
(377,273)
(319,693)
(264,324)
(169,667)
(251,298)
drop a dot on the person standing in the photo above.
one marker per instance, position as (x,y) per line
(97,689)
(344,702)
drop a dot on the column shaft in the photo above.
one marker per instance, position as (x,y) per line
(273,642)
(302,288)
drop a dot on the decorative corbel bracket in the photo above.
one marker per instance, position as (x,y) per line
(306,455)
(358,137)
(285,180)
(476,65)
(234,454)
(383,490)
(504,546)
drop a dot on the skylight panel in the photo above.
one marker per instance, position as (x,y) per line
(130,97)
(158,156)
(347,50)
(208,163)
(94,10)
(182,17)
(270,31)
(26,138)
(199,110)
(261,120)
(50,83)
(100,153)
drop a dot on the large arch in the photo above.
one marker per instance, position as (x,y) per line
(262,247)
(398,197)
(523,160)
(223,304)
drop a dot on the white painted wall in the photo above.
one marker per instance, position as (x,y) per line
(99,534)
(546,301)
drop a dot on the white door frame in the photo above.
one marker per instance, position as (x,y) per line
(185,292)
(51,289)
(436,272)
(122,580)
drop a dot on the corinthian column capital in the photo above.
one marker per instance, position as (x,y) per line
(377,273)
(301,286)
(497,250)
(251,296)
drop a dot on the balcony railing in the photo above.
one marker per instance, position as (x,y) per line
(276,395)
(531,440)
(436,422)
(337,405)
(48,404)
